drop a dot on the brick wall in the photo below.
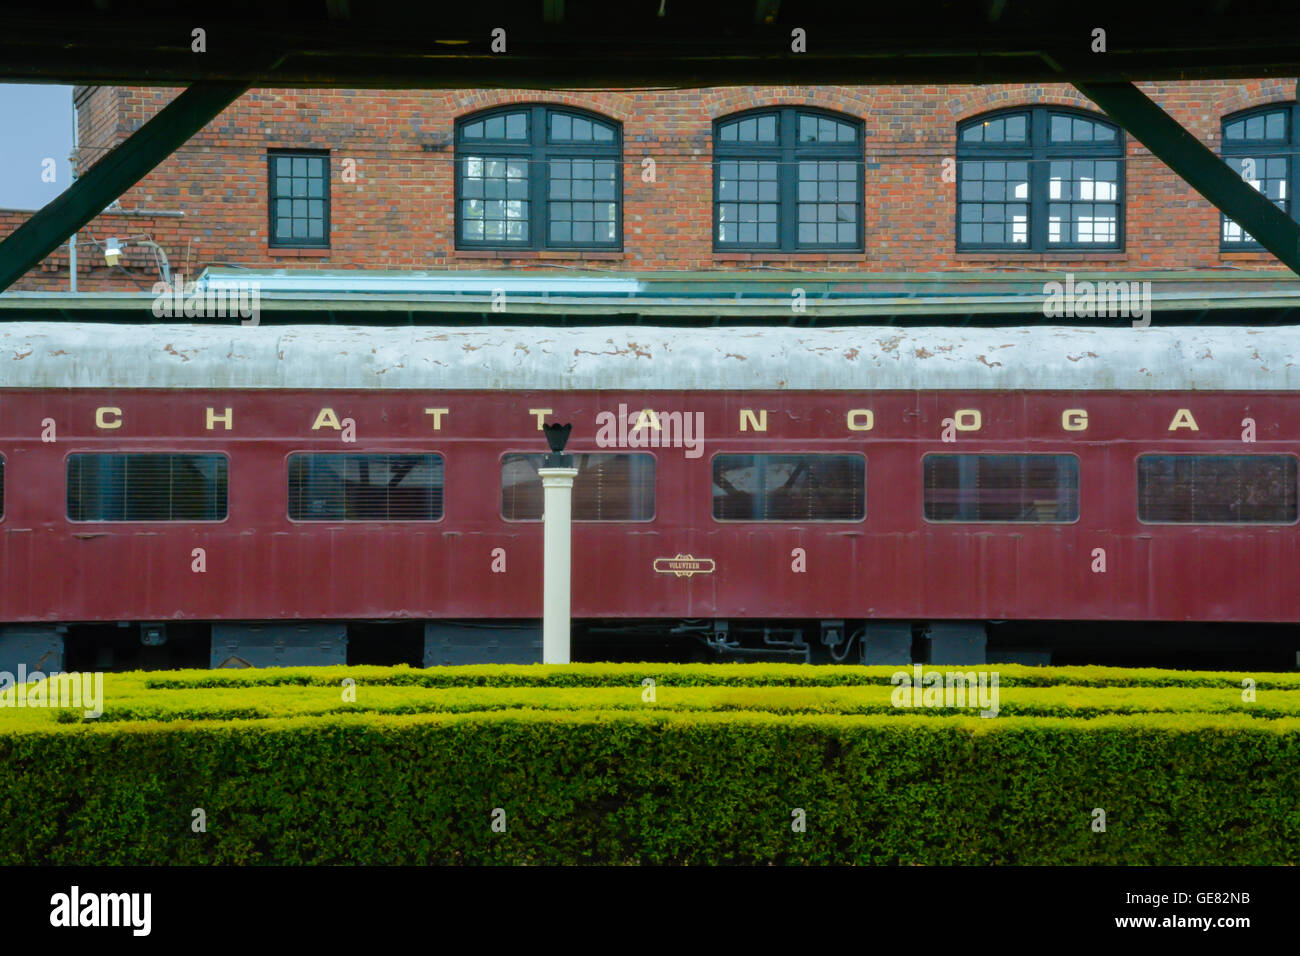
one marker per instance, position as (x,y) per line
(398,214)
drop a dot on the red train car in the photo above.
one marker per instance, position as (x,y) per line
(277,490)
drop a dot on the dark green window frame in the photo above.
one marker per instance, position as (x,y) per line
(556,166)
(1268,135)
(1052,145)
(307,197)
(782,153)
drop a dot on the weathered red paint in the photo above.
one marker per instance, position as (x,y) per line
(261,565)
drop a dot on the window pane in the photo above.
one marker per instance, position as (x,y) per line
(789,487)
(293,215)
(608,487)
(1030,488)
(1269,175)
(751,129)
(1088,210)
(585,221)
(576,129)
(753,182)
(500,181)
(998,130)
(1217,489)
(335,487)
(984,191)
(828,200)
(823,129)
(1275,126)
(147,487)
(1077,129)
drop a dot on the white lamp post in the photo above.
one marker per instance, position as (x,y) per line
(557,474)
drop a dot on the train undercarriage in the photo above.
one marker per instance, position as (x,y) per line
(130,645)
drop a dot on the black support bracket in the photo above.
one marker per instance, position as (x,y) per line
(1205,172)
(113,175)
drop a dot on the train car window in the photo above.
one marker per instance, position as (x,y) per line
(789,487)
(347,487)
(1217,489)
(147,487)
(1027,488)
(608,487)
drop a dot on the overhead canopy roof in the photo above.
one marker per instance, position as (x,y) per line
(552,44)
(219,50)
(763,296)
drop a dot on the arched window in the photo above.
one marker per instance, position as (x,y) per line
(1257,144)
(1039,179)
(538,177)
(787,179)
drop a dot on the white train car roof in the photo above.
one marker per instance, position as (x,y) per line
(73,355)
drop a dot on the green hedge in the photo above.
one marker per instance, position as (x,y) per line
(288,772)
(126,703)
(702,675)
(656,788)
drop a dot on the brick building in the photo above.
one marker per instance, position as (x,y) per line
(837,179)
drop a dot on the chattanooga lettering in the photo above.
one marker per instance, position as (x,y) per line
(650,429)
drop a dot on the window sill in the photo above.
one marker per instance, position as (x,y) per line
(506,255)
(789,256)
(1110,256)
(297,253)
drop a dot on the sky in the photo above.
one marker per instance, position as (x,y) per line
(35,125)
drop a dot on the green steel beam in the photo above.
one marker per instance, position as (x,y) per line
(117,172)
(1202,169)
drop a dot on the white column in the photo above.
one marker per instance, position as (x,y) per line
(557,516)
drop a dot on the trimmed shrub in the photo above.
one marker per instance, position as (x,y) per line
(288,772)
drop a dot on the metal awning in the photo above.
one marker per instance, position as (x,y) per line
(769,294)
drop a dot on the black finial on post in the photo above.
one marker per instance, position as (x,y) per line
(557,436)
